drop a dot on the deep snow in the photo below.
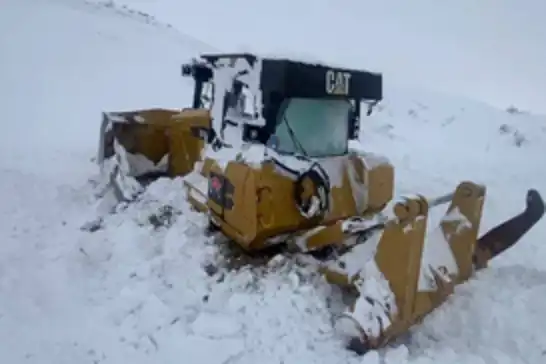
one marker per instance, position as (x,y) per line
(134,293)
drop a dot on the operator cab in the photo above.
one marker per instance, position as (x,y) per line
(294,107)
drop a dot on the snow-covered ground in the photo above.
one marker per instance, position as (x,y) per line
(132,292)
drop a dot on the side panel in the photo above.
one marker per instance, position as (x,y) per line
(259,204)
(349,195)
(373,181)
(342,198)
(232,201)
(241,201)
(277,212)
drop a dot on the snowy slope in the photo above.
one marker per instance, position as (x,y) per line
(134,293)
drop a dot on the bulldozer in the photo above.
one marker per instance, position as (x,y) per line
(266,151)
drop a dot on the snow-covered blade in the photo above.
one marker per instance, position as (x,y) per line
(138,146)
(138,139)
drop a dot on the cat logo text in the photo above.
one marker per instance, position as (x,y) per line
(337,82)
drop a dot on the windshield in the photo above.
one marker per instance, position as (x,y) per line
(313,127)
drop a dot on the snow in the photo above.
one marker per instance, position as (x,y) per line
(354,262)
(224,73)
(376,304)
(436,254)
(373,309)
(136,288)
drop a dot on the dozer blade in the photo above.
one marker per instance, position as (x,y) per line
(142,136)
(136,147)
(132,145)
(409,273)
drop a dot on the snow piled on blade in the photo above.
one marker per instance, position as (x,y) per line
(143,285)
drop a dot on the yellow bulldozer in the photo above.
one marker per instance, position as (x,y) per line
(265,152)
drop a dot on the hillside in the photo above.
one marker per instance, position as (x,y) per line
(132,293)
